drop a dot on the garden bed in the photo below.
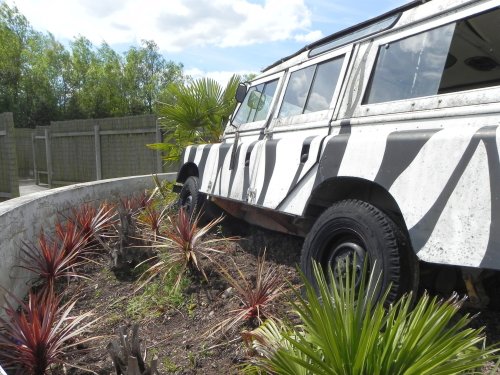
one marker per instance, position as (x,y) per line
(178,331)
(191,322)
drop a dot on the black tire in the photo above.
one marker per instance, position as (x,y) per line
(190,198)
(355,228)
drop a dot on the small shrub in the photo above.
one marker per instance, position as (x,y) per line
(71,237)
(50,260)
(95,221)
(345,331)
(255,297)
(182,246)
(151,220)
(39,333)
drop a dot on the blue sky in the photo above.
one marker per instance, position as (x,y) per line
(210,37)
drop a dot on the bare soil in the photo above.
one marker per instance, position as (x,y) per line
(179,336)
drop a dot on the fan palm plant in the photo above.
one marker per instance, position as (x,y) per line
(345,331)
(195,112)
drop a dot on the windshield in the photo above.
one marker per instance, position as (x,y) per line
(257,103)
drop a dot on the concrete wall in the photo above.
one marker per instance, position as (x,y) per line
(9,186)
(21,219)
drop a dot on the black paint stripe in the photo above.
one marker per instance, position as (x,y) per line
(192,153)
(307,141)
(235,168)
(270,164)
(492,256)
(223,150)
(332,156)
(203,161)
(422,231)
(401,149)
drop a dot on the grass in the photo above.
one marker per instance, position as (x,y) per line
(157,297)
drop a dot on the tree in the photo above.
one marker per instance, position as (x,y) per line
(194,112)
(146,73)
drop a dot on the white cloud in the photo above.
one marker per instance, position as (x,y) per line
(222,76)
(174,24)
(309,37)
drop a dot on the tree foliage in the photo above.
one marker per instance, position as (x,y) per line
(42,80)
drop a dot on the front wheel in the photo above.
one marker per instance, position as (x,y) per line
(355,230)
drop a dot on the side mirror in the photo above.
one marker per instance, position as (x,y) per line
(241,92)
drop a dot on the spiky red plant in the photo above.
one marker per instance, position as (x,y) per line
(50,260)
(38,334)
(71,237)
(134,203)
(182,245)
(152,219)
(93,221)
(254,297)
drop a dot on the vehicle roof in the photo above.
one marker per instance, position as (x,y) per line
(347,31)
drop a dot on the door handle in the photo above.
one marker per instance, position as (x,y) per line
(304,153)
(247,158)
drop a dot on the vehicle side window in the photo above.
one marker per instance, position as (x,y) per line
(311,89)
(455,57)
(257,103)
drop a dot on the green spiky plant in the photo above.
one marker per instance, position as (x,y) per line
(344,330)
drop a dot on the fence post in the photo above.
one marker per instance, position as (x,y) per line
(11,155)
(49,158)
(33,150)
(97,146)
(159,167)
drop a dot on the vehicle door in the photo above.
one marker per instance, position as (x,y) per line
(242,140)
(300,122)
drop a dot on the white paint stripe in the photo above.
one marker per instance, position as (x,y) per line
(186,154)
(287,164)
(296,202)
(199,152)
(419,186)
(365,151)
(462,232)
(210,168)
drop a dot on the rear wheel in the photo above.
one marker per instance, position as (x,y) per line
(355,230)
(190,198)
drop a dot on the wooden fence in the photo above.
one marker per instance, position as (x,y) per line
(68,152)
(9,185)
(24,152)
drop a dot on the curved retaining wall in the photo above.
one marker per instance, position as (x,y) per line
(21,219)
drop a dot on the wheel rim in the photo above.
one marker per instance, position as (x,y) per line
(345,248)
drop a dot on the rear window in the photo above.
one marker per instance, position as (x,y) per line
(455,57)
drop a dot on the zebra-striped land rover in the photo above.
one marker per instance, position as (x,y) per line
(380,142)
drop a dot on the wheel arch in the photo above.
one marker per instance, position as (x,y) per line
(187,170)
(337,189)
